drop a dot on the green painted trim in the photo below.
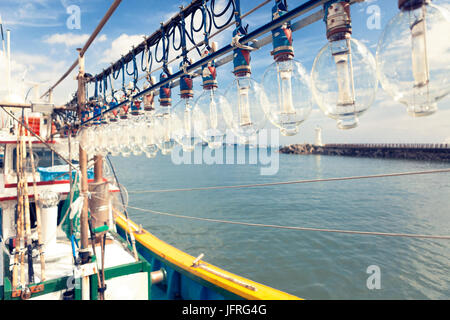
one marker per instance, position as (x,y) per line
(93,280)
(148,268)
(6,263)
(124,270)
(7,289)
(49,287)
(53,285)
(77,292)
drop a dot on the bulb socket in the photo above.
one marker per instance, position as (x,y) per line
(209,72)
(186,87)
(165,92)
(338,20)
(241,59)
(408,5)
(281,36)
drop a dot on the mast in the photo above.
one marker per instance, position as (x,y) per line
(98,168)
(8,64)
(83,158)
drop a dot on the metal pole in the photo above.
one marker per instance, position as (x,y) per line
(98,168)
(8,64)
(88,43)
(83,158)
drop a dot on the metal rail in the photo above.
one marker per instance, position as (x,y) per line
(27,106)
(250,37)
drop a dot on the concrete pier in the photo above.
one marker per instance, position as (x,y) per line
(430,152)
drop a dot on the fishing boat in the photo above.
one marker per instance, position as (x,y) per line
(125,261)
(65,231)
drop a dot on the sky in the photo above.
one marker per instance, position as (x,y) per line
(45,37)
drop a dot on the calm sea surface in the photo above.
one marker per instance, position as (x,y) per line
(311,265)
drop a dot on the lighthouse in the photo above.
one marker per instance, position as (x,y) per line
(318,141)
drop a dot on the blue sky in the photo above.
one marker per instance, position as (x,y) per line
(43,47)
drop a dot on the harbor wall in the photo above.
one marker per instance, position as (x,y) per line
(429,152)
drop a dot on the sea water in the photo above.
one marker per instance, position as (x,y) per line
(308,264)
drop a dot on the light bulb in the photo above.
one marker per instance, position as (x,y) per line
(163,130)
(98,139)
(246,96)
(183,128)
(114,147)
(85,138)
(124,133)
(113,128)
(136,125)
(246,116)
(413,57)
(211,106)
(149,146)
(163,118)
(210,122)
(343,81)
(286,82)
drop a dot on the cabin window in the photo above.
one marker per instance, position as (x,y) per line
(43,158)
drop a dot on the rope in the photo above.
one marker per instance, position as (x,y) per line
(296,182)
(387,234)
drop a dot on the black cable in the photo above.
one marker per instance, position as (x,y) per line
(220,14)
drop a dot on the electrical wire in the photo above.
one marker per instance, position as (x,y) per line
(385,175)
(386,234)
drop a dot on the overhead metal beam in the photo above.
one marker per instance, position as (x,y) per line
(87,45)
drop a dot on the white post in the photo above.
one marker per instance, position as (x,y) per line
(318,136)
(3,40)
(8,63)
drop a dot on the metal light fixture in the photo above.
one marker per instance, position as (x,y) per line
(163,117)
(211,106)
(183,129)
(246,96)
(344,81)
(412,56)
(286,82)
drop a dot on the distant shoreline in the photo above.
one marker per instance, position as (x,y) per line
(428,152)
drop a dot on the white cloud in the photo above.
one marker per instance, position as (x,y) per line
(121,46)
(70,39)
(27,68)
(38,13)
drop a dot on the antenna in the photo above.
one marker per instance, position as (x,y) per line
(8,64)
(3,37)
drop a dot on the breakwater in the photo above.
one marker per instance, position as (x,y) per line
(430,152)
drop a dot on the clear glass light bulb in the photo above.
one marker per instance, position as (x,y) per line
(114,147)
(124,137)
(84,139)
(247,100)
(209,112)
(344,81)
(287,86)
(183,127)
(163,130)
(149,146)
(136,127)
(413,58)
(100,139)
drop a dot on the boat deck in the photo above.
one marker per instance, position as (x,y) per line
(60,265)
